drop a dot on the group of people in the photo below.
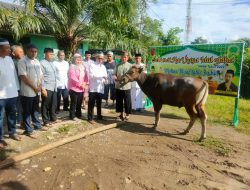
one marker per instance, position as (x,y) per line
(24,79)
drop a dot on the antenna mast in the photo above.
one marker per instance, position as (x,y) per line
(188,21)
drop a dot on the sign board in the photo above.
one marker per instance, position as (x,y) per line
(218,64)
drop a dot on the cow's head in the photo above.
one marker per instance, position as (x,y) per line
(131,75)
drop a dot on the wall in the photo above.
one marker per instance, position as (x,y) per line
(42,42)
(83,47)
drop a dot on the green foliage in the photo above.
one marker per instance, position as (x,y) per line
(66,128)
(110,23)
(19,21)
(199,40)
(3,155)
(66,21)
(245,79)
(172,38)
(217,145)
(126,26)
(119,24)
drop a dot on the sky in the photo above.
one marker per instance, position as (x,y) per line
(215,20)
(218,21)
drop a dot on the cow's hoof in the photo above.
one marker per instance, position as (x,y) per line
(154,126)
(184,133)
(201,139)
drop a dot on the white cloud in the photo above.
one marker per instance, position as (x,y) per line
(218,20)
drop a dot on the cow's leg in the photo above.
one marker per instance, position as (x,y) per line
(193,116)
(203,118)
(157,109)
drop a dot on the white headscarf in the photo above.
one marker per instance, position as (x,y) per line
(80,67)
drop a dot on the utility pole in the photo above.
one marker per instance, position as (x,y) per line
(188,21)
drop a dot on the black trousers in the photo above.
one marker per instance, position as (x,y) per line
(65,95)
(123,96)
(109,88)
(30,112)
(75,104)
(94,97)
(49,106)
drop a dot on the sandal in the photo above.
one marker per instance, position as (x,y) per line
(44,128)
(92,122)
(2,147)
(3,144)
(31,135)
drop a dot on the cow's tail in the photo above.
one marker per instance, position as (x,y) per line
(202,94)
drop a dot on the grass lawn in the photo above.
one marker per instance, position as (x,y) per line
(220,112)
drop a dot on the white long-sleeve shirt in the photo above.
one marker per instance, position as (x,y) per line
(9,84)
(97,75)
(62,68)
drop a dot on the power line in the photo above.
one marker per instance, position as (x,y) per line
(211,3)
(158,17)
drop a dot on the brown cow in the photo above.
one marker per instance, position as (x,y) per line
(162,89)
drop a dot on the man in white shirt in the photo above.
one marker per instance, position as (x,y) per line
(97,78)
(62,68)
(9,87)
(17,54)
(86,63)
(29,70)
(137,96)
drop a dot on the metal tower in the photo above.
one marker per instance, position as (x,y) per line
(188,22)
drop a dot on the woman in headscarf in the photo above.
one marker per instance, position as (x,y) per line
(78,80)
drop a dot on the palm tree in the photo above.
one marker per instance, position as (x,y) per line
(120,28)
(67,21)
(111,22)
(20,20)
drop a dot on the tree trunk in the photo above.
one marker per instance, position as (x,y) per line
(69,45)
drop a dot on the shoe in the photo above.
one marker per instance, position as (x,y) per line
(126,118)
(53,122)
(120,117)
(76,119)
(15,137)
(92,122)
(31,135)
(100,118)
(44,128)
(46,124)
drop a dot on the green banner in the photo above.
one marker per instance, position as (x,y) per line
(218,64)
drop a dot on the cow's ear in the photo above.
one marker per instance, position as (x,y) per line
(141,69)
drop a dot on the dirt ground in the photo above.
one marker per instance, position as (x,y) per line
(134,156)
